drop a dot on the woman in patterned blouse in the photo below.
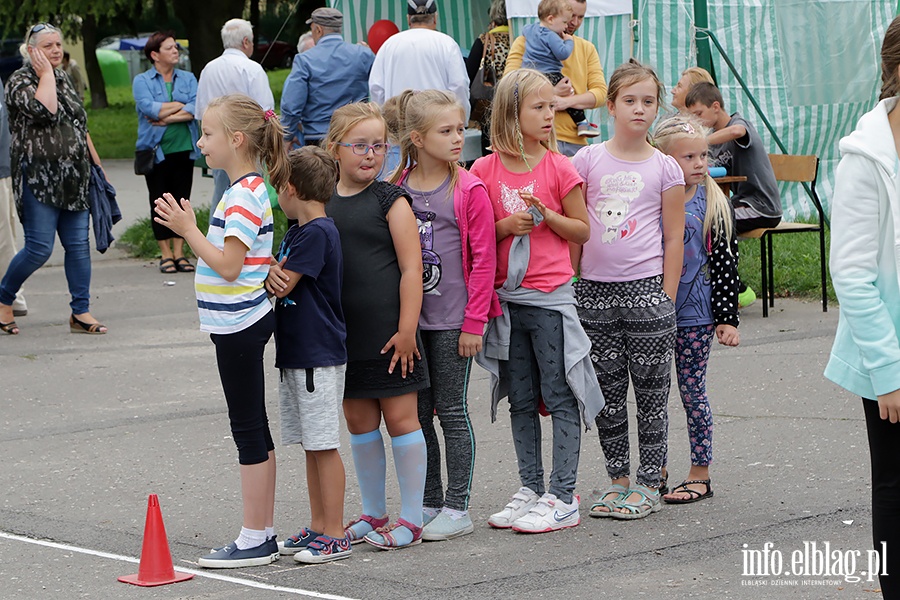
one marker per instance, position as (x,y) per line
(51,154)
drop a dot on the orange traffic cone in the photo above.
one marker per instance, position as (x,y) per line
(156,561)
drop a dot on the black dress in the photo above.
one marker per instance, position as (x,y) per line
(371,293)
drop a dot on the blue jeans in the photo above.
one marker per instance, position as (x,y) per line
(41,222)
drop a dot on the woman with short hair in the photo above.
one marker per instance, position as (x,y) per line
(51,154)
(164,98)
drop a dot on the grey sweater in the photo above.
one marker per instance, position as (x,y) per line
(495,349)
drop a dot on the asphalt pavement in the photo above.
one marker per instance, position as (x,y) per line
(94,424)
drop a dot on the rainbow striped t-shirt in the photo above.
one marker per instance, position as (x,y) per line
(244,213)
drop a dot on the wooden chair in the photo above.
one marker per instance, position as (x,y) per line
(800,169)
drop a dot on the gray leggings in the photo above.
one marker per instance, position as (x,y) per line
(449,373)
(537,371)
(631,325)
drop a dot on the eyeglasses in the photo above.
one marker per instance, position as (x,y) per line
(38,28)
(363,149)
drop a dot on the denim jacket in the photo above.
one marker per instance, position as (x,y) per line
(150,93)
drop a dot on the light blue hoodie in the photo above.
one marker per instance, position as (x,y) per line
(865,259)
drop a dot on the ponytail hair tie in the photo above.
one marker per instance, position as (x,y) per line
(270,114)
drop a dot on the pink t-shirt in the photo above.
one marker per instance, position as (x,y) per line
(624,201)
(550,181)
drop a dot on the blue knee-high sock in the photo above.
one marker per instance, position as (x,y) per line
(370,462)
(411,462)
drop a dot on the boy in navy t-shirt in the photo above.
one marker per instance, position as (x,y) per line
(311,350)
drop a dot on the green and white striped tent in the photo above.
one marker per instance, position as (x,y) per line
(812,65)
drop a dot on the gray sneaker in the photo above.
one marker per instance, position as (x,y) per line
(443,527)
(230,557)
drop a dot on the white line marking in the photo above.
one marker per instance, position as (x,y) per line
(196,572)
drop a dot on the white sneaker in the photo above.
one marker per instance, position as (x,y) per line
(549,514)
(521,503)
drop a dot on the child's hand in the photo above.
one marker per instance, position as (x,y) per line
(566,36)
(532,200)
(469,344)
(728,335)
(520,223)
(276,281)
(405,352)
(177,217)
(889,406)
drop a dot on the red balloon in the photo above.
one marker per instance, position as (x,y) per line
(379,32)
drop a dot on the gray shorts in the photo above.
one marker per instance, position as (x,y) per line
(312,418)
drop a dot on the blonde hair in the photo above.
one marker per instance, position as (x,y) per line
(391,112)
(514,87)
(419,112)
(262,131)
(553,8)
(718,222)
(630,73)
(697,75)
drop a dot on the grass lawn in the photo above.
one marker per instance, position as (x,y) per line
(114,129)
(796,266)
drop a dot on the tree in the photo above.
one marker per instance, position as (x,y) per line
(203,22)
(76,19)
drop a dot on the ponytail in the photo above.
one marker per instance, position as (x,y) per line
(273,152)
(718,224)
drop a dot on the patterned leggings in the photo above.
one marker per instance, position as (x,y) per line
(692,346)
(631,325)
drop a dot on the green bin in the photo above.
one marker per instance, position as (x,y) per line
(114,68)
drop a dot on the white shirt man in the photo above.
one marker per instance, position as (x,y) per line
(233,73)
(420,58)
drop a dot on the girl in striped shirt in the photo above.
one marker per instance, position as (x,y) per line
(240,138)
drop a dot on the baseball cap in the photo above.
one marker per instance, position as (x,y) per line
(326,17)
(421,7)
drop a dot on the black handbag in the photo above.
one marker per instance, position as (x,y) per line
(482,87)
(144,161)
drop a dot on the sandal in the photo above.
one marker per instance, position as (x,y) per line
(76,326)
(620,491)
(663,485)
(648,503)
(356,536)
(388,541)
(695,496)
(183,265)
(167,265)
(11,328)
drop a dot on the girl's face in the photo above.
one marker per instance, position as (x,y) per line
(680,91)
(692,155)
(635,108)
(444,140)
(51,45)
(536,112)
(357,169)
(168,53)
(214,143)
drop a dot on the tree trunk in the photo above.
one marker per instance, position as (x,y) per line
(203,22)
(91,65)
(254,21)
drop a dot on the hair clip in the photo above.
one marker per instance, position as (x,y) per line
(269,114)
(688,129)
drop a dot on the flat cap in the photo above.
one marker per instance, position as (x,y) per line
(326,17)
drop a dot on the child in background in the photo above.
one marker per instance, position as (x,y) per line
(539,210)
(382,297)
(311,350)
(391,112)
(866,275)
(706,304)
(736,145)
(547,45)
(459,254)
(629,278)
(239,137)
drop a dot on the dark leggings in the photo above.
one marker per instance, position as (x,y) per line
(576,113)
(884,449)
(174,175)
(240,359)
